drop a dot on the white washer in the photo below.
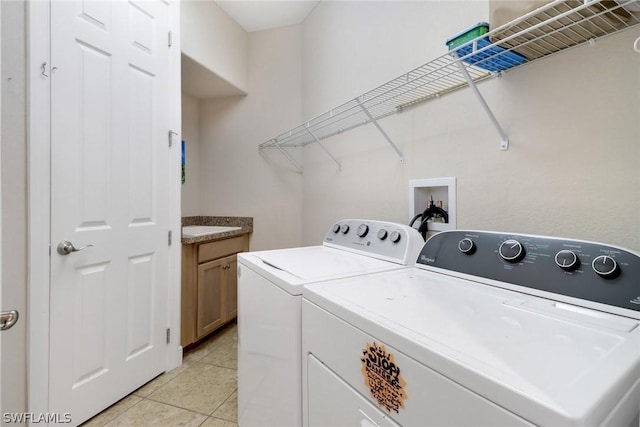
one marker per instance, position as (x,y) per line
(269,309)
(488,329)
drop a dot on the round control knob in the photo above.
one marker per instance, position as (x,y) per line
(395,236)
(382,234)
(467,246)
(567,260)
(362,230)
(605,266)
(511,251)
(344,229)
(336,228)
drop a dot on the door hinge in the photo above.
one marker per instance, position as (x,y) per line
(171,135)
(169,235)
(168,335)
(170,38)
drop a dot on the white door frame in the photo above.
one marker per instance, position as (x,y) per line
(1,305)
(39,212)
(174,358)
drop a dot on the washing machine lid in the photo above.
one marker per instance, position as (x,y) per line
(292,268)
(551,363)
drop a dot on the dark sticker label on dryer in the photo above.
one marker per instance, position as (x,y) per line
(382,377)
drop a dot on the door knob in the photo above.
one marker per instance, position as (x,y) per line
(65,247)
(8,319)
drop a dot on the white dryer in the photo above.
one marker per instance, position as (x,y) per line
(488,329)
(269,309)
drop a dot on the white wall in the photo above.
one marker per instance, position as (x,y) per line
(573,167)
(191,136)
(235,179)
(350,47)
(213,39)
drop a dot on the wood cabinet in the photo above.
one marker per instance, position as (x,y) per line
(209,286)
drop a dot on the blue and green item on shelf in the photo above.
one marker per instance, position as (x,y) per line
(493,59)
(183,162)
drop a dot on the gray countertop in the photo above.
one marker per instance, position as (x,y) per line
(246,224)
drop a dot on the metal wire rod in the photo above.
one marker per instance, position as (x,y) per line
(381,131)
(504,143)
(325,149)
(293,162)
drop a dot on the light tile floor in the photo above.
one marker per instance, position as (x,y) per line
(202,392)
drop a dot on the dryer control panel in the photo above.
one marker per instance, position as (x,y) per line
(584,270)
(389,241)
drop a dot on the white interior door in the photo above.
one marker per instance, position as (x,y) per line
(109,189)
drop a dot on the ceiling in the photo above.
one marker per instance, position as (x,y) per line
(257,15)
(252,15)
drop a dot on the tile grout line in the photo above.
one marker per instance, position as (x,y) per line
(176,406)
(221,339)
(225,401)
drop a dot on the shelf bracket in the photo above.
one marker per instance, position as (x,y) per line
(504,140)
(375,123)
(285,154)
(324,148)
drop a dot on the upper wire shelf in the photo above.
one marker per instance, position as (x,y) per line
(555,27)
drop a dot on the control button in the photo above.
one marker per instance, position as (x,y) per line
(382,234)
(467,246)
(344,229)
(395,236)
(567,260)
(362,230)
(605,266)
(336,228)
(511,251)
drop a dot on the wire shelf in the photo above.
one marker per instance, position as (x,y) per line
(555,27)
(428,81)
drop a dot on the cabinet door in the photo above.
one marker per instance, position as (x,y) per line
(211,277)
(231,290)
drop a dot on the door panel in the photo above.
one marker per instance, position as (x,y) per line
(210,296)
(109,189)
(140,161)
(140,304)
(89,339)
